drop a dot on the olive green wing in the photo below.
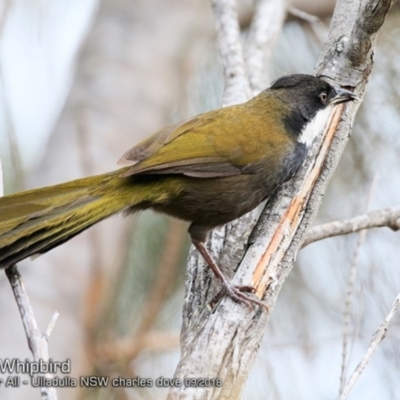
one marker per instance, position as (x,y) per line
(216,144)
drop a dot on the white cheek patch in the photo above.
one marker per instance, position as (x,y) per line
(314,127)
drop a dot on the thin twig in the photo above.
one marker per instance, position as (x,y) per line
(37,342)
(377,338)
(305,16)
(350,292)
(51,325)
(386,217)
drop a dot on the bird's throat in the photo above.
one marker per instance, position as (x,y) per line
(314,127)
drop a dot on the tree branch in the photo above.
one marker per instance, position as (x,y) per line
(377,338)
(388,217)
(264,30)
(228,32)
(37,342)
(223,343)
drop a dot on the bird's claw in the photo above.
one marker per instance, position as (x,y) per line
(237,294)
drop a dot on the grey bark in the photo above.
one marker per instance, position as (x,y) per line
(223,343)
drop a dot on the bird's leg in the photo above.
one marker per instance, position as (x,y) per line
(234,292)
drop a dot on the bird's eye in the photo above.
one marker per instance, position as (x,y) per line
(323,96)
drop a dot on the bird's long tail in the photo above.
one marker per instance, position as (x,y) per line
(35,221)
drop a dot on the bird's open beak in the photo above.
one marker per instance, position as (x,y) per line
(342,96)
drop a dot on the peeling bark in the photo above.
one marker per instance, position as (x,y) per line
(224,343)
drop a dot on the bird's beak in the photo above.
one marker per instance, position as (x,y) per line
(342,96)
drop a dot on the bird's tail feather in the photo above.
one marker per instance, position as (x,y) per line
(35,221)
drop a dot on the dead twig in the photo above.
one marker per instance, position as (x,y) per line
(386,217)
(304,16)
(377,338)
(37,342)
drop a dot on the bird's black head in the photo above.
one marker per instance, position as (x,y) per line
(306,97)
